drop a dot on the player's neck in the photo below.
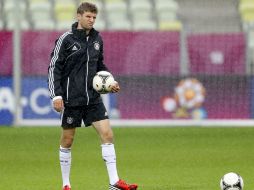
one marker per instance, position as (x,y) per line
(79,27)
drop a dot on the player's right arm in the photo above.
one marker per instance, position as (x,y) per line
(55,74)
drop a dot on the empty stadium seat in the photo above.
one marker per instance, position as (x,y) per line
(246,9)
(100,24)
(117,14)
(141,9)
(1,24)
(24,25)
(140,5)
(143,25)
(65,13)
(251,39)
(217,16)
(115,5)
(166,15)
(142,15)
(168,5)
(44,25)
(9,8)
(166,11)
(1,16)
(120,25)
(246,6)
(41,14)
(173,25)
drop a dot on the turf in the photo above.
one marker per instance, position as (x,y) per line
(155,158)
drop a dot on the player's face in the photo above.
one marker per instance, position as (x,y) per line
(86,20)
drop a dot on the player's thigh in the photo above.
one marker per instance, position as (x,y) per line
(104,130)
(67,137)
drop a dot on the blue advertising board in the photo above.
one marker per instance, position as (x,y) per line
(252,97)
(6,101)
(35,100)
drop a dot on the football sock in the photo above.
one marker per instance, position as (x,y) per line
(109,156)
(65,163)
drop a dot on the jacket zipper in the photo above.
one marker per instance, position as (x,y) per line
(87,95)
(68,82)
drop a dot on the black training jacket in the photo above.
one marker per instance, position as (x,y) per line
(75,60)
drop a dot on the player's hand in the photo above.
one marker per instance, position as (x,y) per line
(115,88)
(58,105)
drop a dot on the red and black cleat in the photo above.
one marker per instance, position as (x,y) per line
(66,187)
(122,185)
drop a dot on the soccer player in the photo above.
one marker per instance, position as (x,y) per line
(75,59)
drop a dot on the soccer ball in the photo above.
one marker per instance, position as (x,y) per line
(231,181)
(103,81)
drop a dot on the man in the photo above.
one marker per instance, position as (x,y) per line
(77,56)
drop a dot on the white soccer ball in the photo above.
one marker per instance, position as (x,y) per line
(231,181)
(103,81)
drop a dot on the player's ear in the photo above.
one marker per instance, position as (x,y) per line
(79,16)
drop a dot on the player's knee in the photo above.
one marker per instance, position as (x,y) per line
(107,137)
(67,141)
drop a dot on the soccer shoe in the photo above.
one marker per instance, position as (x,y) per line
(66,187)
(122,185)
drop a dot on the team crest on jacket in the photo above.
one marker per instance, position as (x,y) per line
(96,45)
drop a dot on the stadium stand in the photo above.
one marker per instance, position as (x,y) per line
(9,8)
(41,14)
(144,25)
(246,9)
(166,9)
(117,15)
(167,15)
(209,16)
(251,39)
(113,14)
(64,11)
(1,16)
(172,25)
(1,24)
(141,10)
(142,15)
(135,15)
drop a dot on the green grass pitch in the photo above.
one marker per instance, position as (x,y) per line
(155,158)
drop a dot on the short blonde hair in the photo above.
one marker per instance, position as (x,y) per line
(87,7)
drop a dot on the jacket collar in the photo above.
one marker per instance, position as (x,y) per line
(81,34)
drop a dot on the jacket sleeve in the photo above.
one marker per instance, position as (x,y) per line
(55,69)
(101,65)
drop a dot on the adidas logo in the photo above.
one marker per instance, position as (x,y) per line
(74,48)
